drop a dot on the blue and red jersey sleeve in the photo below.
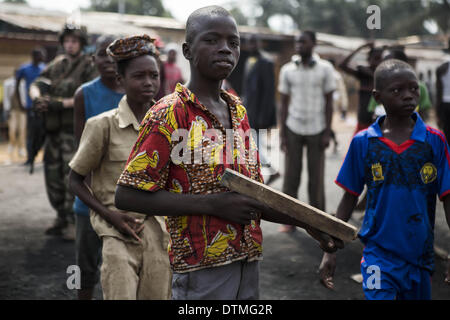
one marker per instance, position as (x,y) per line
(442,160)
(351,174)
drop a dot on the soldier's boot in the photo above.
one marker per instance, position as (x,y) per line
(69,232)
(57,228)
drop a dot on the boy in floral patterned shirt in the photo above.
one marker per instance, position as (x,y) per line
(186,142)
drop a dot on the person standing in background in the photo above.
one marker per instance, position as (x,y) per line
(259,96)
(306,86)
(172,71)
(53,92)
(365,76)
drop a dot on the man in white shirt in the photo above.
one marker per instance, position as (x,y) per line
(443,94)
(306,86)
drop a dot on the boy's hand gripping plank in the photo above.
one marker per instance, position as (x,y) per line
(289,206)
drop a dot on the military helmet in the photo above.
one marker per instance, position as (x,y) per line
(72,29)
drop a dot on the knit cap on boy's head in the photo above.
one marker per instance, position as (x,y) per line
(132,47)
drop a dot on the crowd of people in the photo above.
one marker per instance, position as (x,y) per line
(148,225)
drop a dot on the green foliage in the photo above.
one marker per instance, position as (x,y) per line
(140,7)
(15,1)
(399,18)
(237,14)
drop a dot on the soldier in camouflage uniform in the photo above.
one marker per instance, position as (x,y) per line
(53,94)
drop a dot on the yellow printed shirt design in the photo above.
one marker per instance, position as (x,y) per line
(159,161)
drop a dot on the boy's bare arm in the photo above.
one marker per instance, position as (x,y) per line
(328,264)
(123,223)
(227,205)
(346,206)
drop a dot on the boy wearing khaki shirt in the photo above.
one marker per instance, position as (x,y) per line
(135,261)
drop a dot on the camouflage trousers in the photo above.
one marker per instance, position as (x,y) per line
(58,151)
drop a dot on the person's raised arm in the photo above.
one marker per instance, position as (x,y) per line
(328,264)
(344,65)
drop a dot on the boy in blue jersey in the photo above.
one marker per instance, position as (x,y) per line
(405,165)
(92,98)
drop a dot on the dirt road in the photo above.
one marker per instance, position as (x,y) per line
(33,266)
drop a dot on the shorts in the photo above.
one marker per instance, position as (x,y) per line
(238,280)
(387,277)
(88,252)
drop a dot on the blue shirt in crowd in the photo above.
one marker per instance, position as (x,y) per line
(29,72)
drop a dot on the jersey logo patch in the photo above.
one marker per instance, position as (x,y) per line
(428,173)
(377,172)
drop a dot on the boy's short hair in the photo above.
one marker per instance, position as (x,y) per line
(192,20)
(385,70)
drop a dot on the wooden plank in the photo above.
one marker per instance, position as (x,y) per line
(288,205)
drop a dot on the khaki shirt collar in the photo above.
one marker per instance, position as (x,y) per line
(126,116)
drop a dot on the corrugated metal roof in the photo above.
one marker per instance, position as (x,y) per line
(112,23)
(124,24)
(95,22)
(30,18)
